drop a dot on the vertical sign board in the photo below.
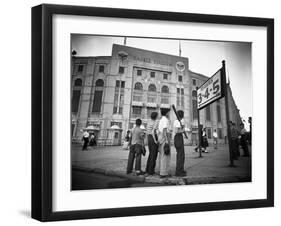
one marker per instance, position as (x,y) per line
(210,91)
(214,89)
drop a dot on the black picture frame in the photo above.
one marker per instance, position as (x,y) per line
(42,111)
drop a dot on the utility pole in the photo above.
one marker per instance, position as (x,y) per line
(199,130)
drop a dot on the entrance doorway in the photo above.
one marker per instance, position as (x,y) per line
(117,138)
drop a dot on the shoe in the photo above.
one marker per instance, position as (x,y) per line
(140,173)
(182,174)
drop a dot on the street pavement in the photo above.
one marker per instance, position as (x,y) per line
(213,167)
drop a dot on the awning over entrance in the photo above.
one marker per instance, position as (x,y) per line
(92,128)
(115,127)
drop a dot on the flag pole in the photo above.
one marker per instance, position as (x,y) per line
(227,114)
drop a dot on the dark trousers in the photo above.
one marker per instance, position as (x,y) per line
(235,148)
(244,145)
(153,151)
(85,145)
(179,145)
(134,153)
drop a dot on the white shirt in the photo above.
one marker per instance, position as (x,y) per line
(86,134)
(215,135)
(163,124)
(177,123)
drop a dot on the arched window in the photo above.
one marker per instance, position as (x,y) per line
(165,89)
(78,82)
(194,93)
(138,86)
(97,102)
(99,83)
(152,88)
(152,95)
(76,93)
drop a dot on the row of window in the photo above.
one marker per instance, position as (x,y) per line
(119,98)
(121,70)
(78,83)
(138,86)
(151,88)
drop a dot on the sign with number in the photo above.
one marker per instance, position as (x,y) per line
(210,91)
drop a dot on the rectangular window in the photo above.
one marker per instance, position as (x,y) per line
(208,113)
(152,74)
(121,70)
(194,82)
(178,100)
(151,98)
(75,100)
(136,112)
(139,72)
(119,93)
(97,101)
(182,91)
(194,109)
(101,68)
(180,78)
(120,110)
(80,68)
(137,96)
(164,100)
(219,113)
(121,103)
(165,76)
(178,90)
(182,101)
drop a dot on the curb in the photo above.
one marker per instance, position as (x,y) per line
(140,179)
(166,181)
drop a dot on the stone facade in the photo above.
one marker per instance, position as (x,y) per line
(110,92)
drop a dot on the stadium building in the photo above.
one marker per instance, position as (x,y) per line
(110,92)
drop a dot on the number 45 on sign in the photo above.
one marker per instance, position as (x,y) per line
(210,91)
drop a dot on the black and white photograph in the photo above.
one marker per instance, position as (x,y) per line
(159,112)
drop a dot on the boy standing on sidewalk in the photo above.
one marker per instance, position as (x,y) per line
(136,146)
(179,144)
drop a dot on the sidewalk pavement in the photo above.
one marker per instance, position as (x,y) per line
(213,167)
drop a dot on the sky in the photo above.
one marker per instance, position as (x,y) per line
(205,57)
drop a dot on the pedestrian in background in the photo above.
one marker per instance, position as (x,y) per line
(136,147)
(92,140)
(235,141)
(215,137)
(243,141)
(164,143)
(126,140)
(85,140)
(179,129)
(205,143)
(152,141)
